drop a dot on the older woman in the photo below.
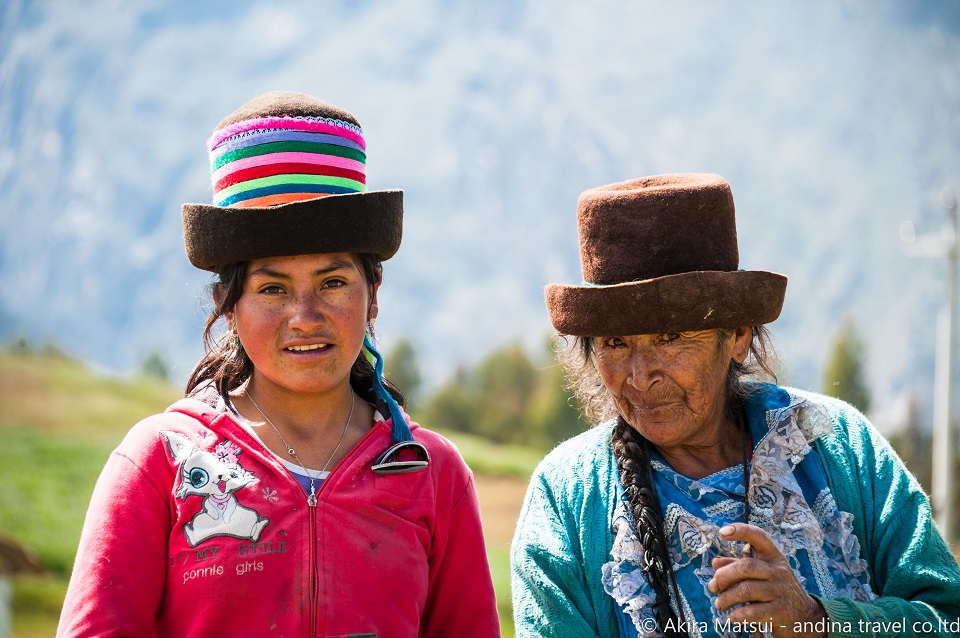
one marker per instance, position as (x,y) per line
(706,504)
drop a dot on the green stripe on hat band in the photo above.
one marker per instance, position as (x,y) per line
(289,147)
(291,178)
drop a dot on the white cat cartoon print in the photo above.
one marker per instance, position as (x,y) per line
(215,476)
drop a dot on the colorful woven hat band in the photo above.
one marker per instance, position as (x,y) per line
(267,161)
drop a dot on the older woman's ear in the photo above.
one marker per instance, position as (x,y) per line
(742,336)
(218,293)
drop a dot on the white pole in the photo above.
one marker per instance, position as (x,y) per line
(942,441)
(943,386)
(945,246)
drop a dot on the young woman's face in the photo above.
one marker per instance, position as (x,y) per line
(301,320)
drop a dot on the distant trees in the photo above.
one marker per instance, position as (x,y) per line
(401,367)
(507,398)
(843,375)
(913,443)
(552,411)
(155,366)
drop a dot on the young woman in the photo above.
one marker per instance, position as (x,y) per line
(288,494)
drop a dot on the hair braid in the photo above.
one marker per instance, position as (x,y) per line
(632,453)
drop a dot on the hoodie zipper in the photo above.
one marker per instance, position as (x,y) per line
(312,512)
(314,575)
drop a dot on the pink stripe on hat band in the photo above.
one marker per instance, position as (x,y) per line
(334,127)
(293,158)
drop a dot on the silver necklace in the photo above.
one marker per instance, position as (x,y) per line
(312,498)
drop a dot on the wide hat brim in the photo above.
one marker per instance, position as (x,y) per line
(368,222)
(699,300)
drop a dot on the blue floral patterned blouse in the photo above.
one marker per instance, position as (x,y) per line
(789,498)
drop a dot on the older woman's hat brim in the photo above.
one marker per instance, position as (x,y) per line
(369,222)
(699,300)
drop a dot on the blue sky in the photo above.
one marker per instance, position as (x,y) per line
(833,121)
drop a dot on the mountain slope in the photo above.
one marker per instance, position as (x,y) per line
(834,122)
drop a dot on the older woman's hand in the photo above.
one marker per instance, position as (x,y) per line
(765,587)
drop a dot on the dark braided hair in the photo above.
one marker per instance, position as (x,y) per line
(632,452)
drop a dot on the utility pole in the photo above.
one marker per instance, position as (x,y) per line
(944,246)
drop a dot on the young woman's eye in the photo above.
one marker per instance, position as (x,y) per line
(271,290)
(334,283)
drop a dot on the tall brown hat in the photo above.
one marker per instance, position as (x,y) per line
(289,178)
(659,254)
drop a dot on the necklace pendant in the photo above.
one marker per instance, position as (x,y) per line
(312,500)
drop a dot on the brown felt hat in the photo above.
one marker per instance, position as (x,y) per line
(289,178)
(659,254)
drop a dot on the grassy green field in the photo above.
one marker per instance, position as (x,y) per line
(58,423)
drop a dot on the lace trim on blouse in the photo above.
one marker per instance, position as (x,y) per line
(822,533)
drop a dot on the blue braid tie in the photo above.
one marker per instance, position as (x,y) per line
(401,431)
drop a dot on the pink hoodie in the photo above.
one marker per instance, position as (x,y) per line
(196,529)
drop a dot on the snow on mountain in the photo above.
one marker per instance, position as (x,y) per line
(833,121)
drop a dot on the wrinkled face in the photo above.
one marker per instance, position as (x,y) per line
(302,319)
(671,387)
